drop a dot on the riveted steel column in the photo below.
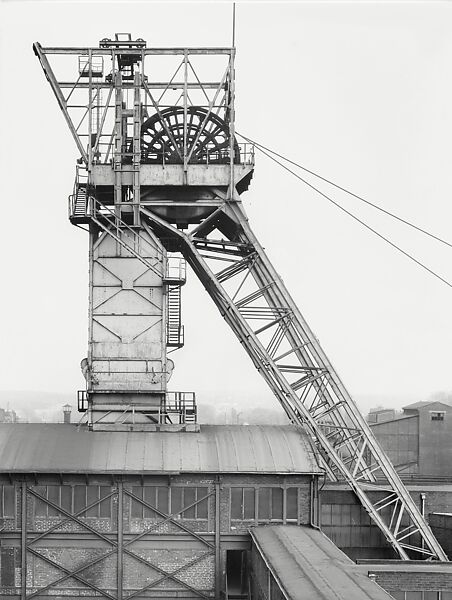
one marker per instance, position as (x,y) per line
(217,541)
(23,542)
(120,539)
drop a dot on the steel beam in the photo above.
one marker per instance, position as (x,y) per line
(145,51)
(217,542)
(343,455)
(23,540)
(120,541)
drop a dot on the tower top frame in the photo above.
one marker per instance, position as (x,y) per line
(195,87)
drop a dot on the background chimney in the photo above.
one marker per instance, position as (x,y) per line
(67,408)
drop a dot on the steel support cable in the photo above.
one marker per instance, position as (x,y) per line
(261,147)
(350,214)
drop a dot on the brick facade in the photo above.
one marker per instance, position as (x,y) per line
(169,554)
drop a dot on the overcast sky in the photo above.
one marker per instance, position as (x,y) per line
(360,92)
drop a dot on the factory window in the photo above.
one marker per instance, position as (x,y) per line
(159,498)
(292,504)
(270,504)
(182,497)
(242,503)
(437,416)
(72,499)
(156,496)
(7,501)
(87,495)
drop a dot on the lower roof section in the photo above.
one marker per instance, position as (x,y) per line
(306,564)
(57,448)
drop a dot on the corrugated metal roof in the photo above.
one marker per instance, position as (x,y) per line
(306,564)
(55,448)
(424,403)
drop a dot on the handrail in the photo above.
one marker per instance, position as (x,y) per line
(211,155)
(123,223)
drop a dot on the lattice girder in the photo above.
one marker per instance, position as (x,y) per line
(253,300)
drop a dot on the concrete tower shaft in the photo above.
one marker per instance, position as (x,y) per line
(165,145)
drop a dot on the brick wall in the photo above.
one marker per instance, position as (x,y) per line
(89,541)
(427,581)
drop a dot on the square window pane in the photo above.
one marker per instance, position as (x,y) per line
(105,505)
(92,496)
(291,503)
(446,595)
(136,508)
(66,498)
(236,503)
(40,506)
(9,505)
(248,503)
(189,498)
(79,499)
(431,595)
(176,500)
(162,499)
(277,504)
(264,503)
(53,494)
(201,509)
(149,496)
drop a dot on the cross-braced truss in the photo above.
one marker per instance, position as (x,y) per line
(118,545)
(234,269)
(184,118)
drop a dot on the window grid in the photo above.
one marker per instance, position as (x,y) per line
(170,500)
(264,504)
(73,499)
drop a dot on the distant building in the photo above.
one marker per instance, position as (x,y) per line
(418,440)
(379,414)
(8,416)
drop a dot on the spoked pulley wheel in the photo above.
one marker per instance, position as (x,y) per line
(162,137)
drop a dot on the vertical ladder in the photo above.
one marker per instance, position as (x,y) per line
(175,329)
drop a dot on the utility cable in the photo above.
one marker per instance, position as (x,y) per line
(350,214)
(261,147)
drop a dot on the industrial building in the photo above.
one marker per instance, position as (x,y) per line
(162,514)
(138,500)
(419,440)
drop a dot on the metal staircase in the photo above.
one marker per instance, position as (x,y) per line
(175,329)
(179,408)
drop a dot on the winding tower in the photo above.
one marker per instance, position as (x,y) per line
(159,183)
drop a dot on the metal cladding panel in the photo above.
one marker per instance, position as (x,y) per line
(307,564)
(55,448)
